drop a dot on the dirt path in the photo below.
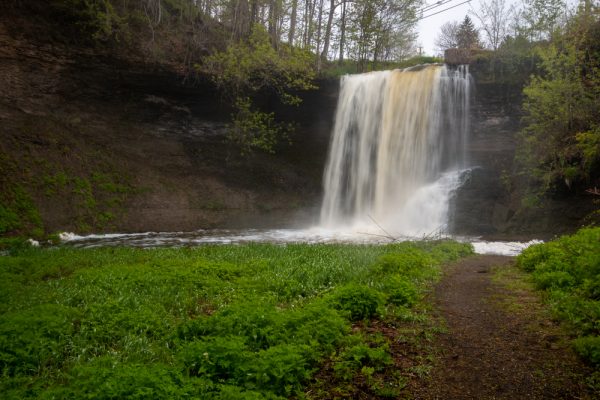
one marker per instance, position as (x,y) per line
(500,344)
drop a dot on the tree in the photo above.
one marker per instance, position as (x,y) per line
(447,38)
(542,17)
(494,17)
(560,144)
(248,67)
(372,26)
(467,36)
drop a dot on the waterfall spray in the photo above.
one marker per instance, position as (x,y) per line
(398,148)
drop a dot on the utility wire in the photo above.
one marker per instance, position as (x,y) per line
(435,5)
(446,9)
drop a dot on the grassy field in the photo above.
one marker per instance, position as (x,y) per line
(227,322)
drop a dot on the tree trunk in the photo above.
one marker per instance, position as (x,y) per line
(342,33)
(293,17)
(319,25)
(332,7)
(272,22)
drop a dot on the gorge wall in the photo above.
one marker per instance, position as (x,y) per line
(97,143)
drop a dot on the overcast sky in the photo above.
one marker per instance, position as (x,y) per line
(429,28)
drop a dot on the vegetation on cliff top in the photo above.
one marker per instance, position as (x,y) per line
(551,52)
(251,322)
(561,138)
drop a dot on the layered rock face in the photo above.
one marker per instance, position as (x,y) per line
(77,116)
(490,203)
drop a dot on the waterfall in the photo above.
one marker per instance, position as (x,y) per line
(398,149)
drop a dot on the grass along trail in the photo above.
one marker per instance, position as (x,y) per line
(500,342)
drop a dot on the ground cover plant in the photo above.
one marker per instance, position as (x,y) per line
(568,271)
(229,322)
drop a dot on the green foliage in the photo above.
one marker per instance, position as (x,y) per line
(360,302)
(253,129)
(253,65)
(18,212)
(214,322)
(560,148)
(9,220)
(467,36)
(247,68)
(97,19)
(568,269)
(589,348)
(402,292)
(361,357)
(36,339)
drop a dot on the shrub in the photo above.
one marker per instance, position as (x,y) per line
(402,292)
(280,369)
(589,348)
(360,302)
(106,378)
(412,261)
(36,339)
(217,358)
(356,357)
(569,269)
(553,280)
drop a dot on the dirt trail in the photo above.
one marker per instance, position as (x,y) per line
(493,351)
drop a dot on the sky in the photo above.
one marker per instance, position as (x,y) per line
(429,28)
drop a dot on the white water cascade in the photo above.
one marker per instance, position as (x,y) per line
(398,149)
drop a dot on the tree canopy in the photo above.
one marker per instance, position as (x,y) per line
(561,138)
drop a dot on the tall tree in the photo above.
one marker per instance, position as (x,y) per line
(342,33)
(494,17)
(543,17)
(467,36)
(332,7)
(293,20)
(560,144)
(447,38)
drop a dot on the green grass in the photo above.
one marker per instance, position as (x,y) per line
(567,270)
(228,322)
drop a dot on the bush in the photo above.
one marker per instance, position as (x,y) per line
(569,270)
(412,261)
(402,292)
(553,280)
(217,358)
(106,378)
(34,340)
(355,358)
(589,348)
(360,302)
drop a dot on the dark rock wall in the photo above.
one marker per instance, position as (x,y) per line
(491,202)
(482,204)
(77,112)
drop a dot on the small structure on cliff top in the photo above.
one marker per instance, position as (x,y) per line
(458,56)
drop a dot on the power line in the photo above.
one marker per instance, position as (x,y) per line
(435,5)
(446,9)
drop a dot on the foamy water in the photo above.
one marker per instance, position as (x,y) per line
(359,235)
(397,152)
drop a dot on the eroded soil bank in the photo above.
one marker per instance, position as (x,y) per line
(500,342)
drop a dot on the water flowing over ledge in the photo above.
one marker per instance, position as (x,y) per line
(397,152)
